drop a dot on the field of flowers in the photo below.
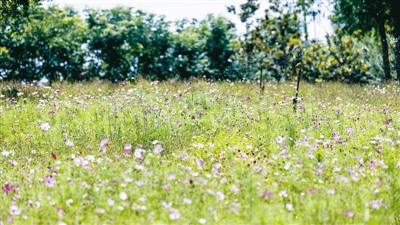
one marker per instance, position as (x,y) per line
(199,153)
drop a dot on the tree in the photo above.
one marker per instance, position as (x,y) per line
(352,15)
(203,48)
(48,44)
(15,8)
(248,10)
(395,6)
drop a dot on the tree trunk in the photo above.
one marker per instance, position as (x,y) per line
(397,52)
(385,48)
(303,7)
(396,33)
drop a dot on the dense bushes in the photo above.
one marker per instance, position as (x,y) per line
(121,43)
(114,44)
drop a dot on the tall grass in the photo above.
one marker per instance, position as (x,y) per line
(214,153)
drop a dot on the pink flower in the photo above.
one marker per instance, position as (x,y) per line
(128,147)
(10,219)
(330,191)
(140,183)
(177,122)
(44,126)
(110,201)
(69,143)
(187,201)
(54,156)
(283,193)
(349,213)
(100,211)
(200,163)
(376,204)
(103,143)
(165,187)
(138,153)
(266,194)
(289,207)
(220,195)
(174,214)
(6,188)
(171,177)
(158,149)
(127,153)
(235,189)
(50,181)
(14,210)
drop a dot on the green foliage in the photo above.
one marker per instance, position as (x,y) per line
(203,48)
(121,44)
(340,60)
(16,8)
(115,44)
(275,37)
(366,15)
(48,45)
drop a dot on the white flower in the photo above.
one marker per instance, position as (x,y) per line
(110,201)
(174,214)
(123,196)
(187,201)
(69,201)
(289,207)
(202,221)
(287,166)
(69,143)
(44,126)
(5,153)
(158,149)
(220,195)
(14,210)
(280,139)
(283,193)
(331,191)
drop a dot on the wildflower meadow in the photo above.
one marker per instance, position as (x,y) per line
(199,153)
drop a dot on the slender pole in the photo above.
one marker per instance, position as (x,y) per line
(297,87)
(261,79)
(247,52)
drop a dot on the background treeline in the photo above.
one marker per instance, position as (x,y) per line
(123,43)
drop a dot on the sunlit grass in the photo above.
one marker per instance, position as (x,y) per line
(197,152)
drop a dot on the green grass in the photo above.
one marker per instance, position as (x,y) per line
(334,161)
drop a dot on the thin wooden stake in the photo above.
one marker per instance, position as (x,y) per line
(298,65)
(261,80)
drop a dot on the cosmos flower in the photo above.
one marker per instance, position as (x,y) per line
(289,207)
(103,143)
(50,181)
(349,213)
(174,214)
(123,196)
(14,210)
(69,143)
(44,126)
(158,149)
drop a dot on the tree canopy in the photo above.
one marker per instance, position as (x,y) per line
(15,8)
(123,43)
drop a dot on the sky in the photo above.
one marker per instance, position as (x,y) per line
(179,9)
